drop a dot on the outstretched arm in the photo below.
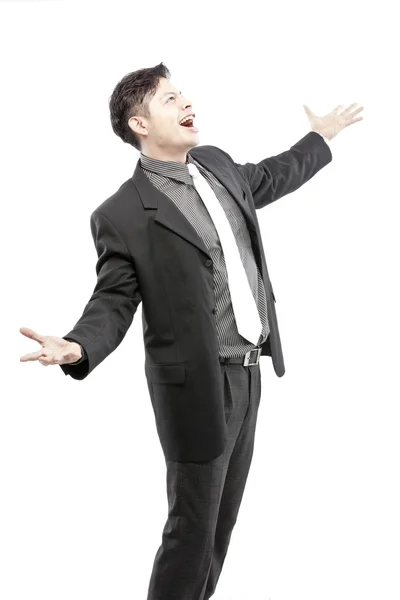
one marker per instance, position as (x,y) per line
(279,175)
(109,313)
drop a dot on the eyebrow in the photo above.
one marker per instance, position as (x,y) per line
(168,93)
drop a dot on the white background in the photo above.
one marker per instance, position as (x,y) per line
(80,518)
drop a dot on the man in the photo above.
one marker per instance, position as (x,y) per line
(182,237)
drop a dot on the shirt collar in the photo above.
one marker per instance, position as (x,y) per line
(168,168)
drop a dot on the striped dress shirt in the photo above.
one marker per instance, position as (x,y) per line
(174,180)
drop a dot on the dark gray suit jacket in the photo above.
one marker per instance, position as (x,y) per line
(148,252)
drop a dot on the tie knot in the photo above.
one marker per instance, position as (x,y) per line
(193,170)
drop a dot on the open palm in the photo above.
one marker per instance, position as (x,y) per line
(333,123)
(54,350)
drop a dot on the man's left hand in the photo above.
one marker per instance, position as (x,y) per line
(333,123)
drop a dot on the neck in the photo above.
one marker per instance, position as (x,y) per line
(166,155)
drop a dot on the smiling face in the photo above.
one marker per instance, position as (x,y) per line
(162,136)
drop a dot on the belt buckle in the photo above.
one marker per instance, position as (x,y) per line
(246,362)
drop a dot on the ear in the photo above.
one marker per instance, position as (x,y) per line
(138,125)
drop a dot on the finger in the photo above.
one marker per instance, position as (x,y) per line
(51,360)
(32,356)
(336,110)
(45,362)
(308,110)
(28,332)
(59,359)
(355,112)
(348,109)
(354,121)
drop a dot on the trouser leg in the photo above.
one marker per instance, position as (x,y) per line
(196,534)
(235,482)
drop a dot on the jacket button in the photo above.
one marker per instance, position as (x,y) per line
(214,311)
(208,263)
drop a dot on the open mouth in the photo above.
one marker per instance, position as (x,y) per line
(188,124)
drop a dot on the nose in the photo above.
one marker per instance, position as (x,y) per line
(186,104)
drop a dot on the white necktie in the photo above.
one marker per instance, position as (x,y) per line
(244,306)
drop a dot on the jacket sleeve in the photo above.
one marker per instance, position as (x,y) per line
(108,315)
(279,175)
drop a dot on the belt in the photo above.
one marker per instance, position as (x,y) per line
(242,360)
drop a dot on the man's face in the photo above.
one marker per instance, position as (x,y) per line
(162,133)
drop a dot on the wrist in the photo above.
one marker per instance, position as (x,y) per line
(323,135)
(79,350)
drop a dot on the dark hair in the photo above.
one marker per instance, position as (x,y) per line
(130,98)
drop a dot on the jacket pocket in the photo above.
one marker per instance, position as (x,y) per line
(173,373)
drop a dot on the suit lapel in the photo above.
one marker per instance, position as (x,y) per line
(171,217)
(224,176)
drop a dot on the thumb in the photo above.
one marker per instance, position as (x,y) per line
(308,111)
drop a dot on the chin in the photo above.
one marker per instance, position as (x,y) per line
(194,143)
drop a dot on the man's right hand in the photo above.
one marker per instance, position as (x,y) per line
(54,351)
